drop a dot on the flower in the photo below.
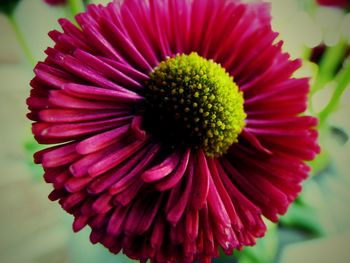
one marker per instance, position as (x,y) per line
(176,124)
(334,3)
(55,2)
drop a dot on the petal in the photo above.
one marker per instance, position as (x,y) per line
(201,182)
(162,169)
(112,160)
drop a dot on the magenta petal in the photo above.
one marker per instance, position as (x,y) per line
(216,206)
(80,167)
(102,140)
(201,182)
(62,100)
(208,238)
(120,173)
(192,224)
(127,195)
(116,221)
(136,32)
(176,211)
(126,69)
(172,179)
(136,129)
(252,140)
(77,184)
(56,194)
(157,233)
(80,222)
(70,131)
(106,69)
(71,201)
(115,158)
(129,178)
(90,92)
(229,206)
(102,204)
(65,115)
(162,169)
(142,215)
(97,40)
(126,45)
(60,156)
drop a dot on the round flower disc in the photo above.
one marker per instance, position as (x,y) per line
(193,102)
(175,126)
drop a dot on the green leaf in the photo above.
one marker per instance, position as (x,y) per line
(304,213)
(320,162)
(303,218)
(343,81)
(329,63)
(265,249)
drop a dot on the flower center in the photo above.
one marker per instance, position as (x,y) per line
(191,101)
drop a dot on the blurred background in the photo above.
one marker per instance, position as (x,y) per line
(316,227)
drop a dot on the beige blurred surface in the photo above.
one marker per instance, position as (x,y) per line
(31,227)
(334,249)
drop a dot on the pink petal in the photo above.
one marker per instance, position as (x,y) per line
(63,100)
(102,140)
(201,182)
(96,93)
(173,178)
(66,115)
(129,178)
(162,169)
(60,156)
(115,159)
(177,210)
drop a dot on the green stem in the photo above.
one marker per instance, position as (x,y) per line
(21,39)
(342,83)
(76,6)
(306,53)
(329,63)
(308,5)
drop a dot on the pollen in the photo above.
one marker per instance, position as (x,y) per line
(192,101)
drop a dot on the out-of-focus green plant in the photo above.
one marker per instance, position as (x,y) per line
(265,249)
(302,214)
(31,146)
(8,6)
(342,80)
(76,6)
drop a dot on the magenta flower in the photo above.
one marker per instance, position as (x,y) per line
(177,126)
(334,3)
(55,2)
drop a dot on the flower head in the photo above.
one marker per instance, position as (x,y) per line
(177,126)
(335,3)
(55,2)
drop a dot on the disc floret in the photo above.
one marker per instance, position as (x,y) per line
(194,101)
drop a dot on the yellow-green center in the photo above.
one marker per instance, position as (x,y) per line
(191,101)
